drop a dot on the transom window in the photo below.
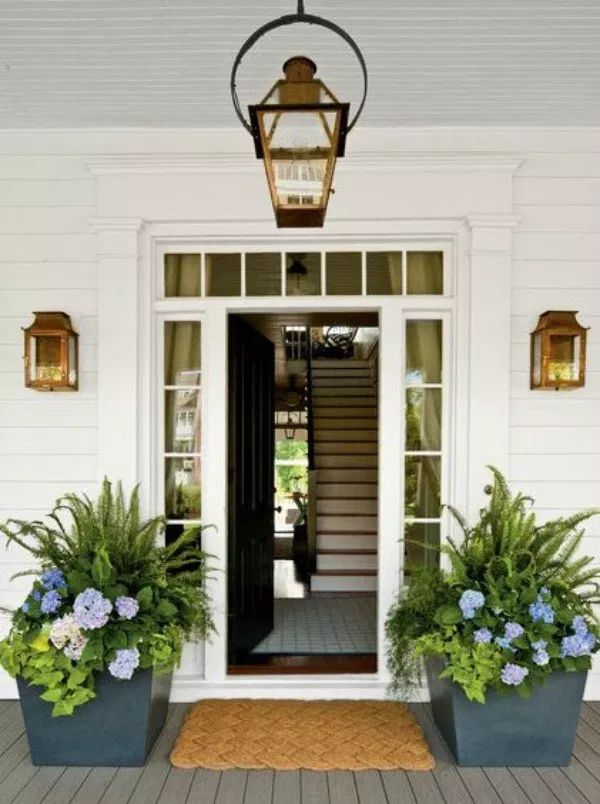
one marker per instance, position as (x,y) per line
(331,273)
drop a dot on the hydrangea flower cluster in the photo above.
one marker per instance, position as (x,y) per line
(511,631)
(91,609)
(50,602)
(513,674)
(53,579)
(582,643)
(469,602)
(65,634)
(541,611)
(127,607)
(124,663)
(541,656)
(483,636)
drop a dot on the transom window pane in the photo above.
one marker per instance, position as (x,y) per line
(303,274)
(425,273)
(223,274)
(344,273)
(384,273)
(263,274)
(182,275)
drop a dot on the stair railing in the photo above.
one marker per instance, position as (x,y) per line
(311,519)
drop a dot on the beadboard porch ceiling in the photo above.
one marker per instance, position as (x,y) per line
(166,63)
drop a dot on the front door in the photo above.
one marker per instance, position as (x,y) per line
(251,527)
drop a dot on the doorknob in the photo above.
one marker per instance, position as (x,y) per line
(277,509)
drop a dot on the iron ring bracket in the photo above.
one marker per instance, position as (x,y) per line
(291,19)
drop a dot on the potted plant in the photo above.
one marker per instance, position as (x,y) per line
(94,644)
(507,633)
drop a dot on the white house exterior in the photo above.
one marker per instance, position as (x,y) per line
(86,216)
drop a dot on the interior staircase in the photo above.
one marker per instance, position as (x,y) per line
(345,416)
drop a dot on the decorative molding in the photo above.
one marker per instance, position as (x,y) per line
(246,162)
(117,224)
(493,221)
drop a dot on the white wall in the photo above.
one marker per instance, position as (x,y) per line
(48,444)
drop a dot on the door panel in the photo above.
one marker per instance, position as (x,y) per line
(251,459)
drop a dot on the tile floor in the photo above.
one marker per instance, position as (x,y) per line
(323,624)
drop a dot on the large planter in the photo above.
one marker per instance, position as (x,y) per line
(118,727)
(508,729)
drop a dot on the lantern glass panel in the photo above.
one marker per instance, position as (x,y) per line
(45,363)
(563,363)
(536,371)
(72,361)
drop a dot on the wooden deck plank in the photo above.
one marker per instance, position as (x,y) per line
(533,785)
(397,787)
(12,726)
(259,787)
(342,787)
(16,780)
(506,785)
(447,777)
(583,780)
(153,776)
(425,788)
(370,787)
(587,756)
(67,785)
(13,755)
(6,706)
(204,786)
(232,787)
(590,716)
(94,786)
(38,785)
(562,787)
(176,787)
(313,786)
(286,787)
(479,786)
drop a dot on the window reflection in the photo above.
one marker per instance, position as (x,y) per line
(423,352)
(423,419)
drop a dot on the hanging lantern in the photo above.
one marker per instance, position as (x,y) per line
(558,346)
(299,129)
(51,353)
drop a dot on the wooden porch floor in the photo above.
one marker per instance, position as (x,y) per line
(21,782)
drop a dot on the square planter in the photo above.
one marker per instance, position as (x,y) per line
(118,727)
(508,729)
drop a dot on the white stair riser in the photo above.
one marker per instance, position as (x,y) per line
(345,436)
(350,461)
(346,561)
(343,491)
(347,476)
(348,448)
(349,541)
(337,363)
(346,524)
(343,583)
(364,507)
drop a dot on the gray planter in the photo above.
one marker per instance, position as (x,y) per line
(118,727)
(508,729)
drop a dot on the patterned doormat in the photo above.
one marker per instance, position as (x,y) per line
(290,735)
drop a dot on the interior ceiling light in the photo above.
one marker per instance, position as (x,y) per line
(299,128)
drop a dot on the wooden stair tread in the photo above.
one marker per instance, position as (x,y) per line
(348,573)
(342,551)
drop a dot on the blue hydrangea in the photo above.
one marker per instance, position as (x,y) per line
(541,612)
(541,644)
(53,579)
(504,642)
(513,630)
(541,657)
(544,591)
(25,607)
(36,595)
(577,645)
(127,607)
(579,625)
(91,609)
(482,635)
(469,602)
(50,602)
(124,663)
(513,674)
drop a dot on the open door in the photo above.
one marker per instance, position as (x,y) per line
(251,528)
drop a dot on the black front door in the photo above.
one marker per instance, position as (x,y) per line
(251,459)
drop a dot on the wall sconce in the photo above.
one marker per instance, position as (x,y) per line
(51,347)
(558,351)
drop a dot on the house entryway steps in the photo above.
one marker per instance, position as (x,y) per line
(345,413)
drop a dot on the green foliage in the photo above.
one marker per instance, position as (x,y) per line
(107,547)
(515,563)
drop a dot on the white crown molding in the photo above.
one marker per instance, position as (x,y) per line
(116,224)
(236,162)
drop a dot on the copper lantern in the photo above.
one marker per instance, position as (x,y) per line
(558,346)
(51,346)
(299,131)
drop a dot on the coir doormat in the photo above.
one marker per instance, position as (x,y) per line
(289,735)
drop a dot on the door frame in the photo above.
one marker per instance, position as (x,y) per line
(204,668)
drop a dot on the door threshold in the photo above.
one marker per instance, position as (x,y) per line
(310,663)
